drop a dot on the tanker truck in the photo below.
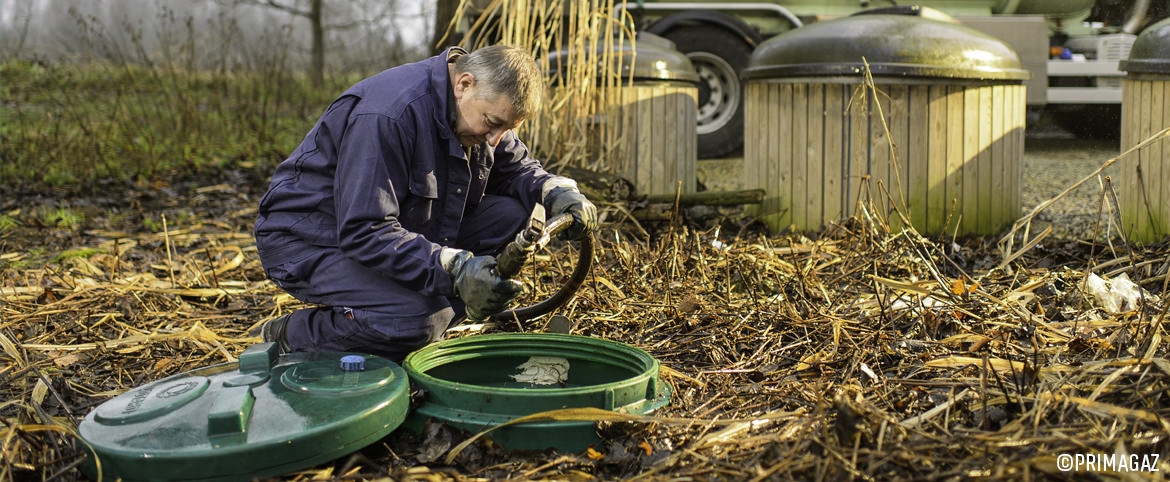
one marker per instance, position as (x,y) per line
(1071,47)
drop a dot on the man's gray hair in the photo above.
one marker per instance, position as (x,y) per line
(507,70)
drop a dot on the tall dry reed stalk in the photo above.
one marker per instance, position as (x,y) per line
(585,36)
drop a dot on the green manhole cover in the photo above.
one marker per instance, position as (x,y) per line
(265,415)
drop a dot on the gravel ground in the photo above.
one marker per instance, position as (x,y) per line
(1053,160)
(1052,165)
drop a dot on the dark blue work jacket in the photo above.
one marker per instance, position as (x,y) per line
(382,177)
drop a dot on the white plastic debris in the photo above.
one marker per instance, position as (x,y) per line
(1117,296)
(543,370)
(902,303)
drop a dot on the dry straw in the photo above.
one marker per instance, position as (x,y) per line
(864,353)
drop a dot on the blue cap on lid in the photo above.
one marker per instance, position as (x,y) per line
(353,363)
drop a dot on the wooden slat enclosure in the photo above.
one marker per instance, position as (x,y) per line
(948,157)
(1144,190)
(649,136)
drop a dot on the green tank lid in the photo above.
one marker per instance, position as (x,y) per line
(1150,53)
(266,415)
(649,57)
(899,42)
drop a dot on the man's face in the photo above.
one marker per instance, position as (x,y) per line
(479,120)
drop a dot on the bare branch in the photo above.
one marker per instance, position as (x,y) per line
(274,4)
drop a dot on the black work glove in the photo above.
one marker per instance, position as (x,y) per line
(563,200)
(484,292)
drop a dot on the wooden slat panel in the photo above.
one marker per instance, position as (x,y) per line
(691,142)
(860,185)
(995,184)
(983,179)
(798,155)
(756,152)
(835,160)
(650,136)
(628,132)
(1130,114)
(950,160)
(753,124)
(675,146)
(1019,118)
(663,167)
(1157,162)
(772,139)
(761,172)
(633,131)
(782,155)
(652,103)
(918,160)
(1146,181)
(618,122)
(667,145)
(936,156)
(1146,208)
(971,150)
(645,138)
(814,199)
(1128,138)
(879,155)
(1007,213)
(661,174)
(643,103)
(897,119)
(956,156)
(1165,145)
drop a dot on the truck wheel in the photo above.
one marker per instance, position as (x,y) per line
(718,56)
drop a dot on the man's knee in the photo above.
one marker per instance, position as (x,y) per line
(492,224)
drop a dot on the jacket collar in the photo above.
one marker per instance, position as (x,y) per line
(444,91)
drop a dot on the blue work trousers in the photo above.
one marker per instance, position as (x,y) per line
(366,312)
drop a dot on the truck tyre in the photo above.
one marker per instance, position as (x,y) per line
(718,55)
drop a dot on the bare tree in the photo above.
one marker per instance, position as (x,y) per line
(22,13)
(313,12)
(325,17)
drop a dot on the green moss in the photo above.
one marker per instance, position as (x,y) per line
(63,217)
(8,223)
(75,253)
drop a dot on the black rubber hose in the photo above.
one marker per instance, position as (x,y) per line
(566,292)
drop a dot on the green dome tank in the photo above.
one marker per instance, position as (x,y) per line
(906,43)
(1150,53)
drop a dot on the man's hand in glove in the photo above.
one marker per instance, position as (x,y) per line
(563,199)
(479,287)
